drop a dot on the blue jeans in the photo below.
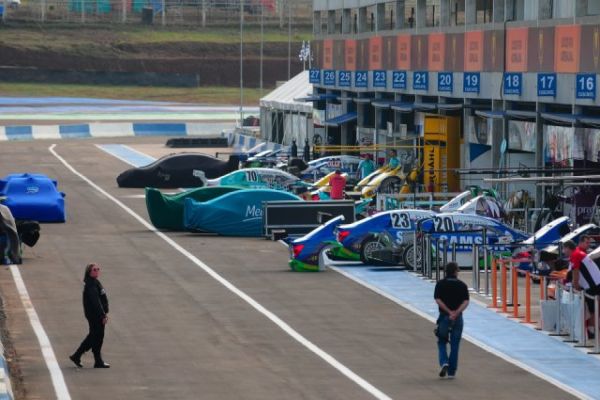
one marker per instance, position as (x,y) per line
(453,331)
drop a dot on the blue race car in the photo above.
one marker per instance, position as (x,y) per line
(236,213)
(33,197)
(307,251)
(358,241)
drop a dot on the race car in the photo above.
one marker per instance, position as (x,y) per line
(166,210)
(358,241)
(384,180)
(238,213)
(321,167)
(306,252)
(177,171)
(33,197)
(258,178)
(266,159)
(549,257)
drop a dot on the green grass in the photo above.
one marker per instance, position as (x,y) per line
(206,95)
(68,37)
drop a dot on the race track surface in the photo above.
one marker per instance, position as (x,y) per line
(177,333)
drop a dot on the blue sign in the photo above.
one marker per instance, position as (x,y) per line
(314,76)
(329,77)
(445,82)
(513,83)
(546,85)
(399,80)
(344,78)
(471,82)
(361,79)
(586,86)
(420,80)
(379,79)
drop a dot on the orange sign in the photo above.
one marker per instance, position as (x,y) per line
(375,52)
(516,49)
(474,51)
(566,48)
(327,54)
(437,51)
(403,52)
(350,55)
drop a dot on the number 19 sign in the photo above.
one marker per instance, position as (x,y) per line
(472,82)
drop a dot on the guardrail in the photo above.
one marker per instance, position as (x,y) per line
(386,201)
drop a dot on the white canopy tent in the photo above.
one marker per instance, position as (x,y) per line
(282,117)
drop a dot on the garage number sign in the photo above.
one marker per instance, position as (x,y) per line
(329,78)
(472,82)
(344,78)
(586,86)
(361,79)
(399,80)
(420,80)
(314,76)
(445,83)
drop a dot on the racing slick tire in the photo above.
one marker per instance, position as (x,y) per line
(408,256)
(368,246)
(389,185)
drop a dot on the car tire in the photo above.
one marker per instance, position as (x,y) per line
(389,185)
(368,245)
(408,256)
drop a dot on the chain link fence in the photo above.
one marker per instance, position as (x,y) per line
(204,13)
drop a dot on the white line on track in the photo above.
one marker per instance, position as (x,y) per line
(58,381)
(257,306)
(471,339)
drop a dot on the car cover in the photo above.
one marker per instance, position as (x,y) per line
(166,210)
(234,214)
(177,170)
(33,197)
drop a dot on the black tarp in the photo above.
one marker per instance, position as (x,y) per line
(176,171)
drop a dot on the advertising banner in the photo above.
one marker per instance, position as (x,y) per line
(516,49)
(566,48)
(437,53)
(403,52)
(521,135)
(474,51)
(558,145)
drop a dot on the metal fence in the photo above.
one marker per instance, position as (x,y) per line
(166,12)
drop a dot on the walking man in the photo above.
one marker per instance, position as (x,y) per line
(452,297)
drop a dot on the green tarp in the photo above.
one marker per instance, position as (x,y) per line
(166,210)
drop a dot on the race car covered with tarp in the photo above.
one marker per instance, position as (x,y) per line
(239,213)
(256,178)
(166,210)
(33,197)
(176,171)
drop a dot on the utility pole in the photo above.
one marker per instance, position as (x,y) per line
(241,63)
(262,42)
(289,39)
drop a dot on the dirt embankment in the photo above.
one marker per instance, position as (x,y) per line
(213,63)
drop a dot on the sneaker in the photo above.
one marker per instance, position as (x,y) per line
(101,365)
(444,370)
(76,361)
(450,376)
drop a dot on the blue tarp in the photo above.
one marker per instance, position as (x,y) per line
(340,120)
(33,197)
(233,214)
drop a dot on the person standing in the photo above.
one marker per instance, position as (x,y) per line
(8,226)
(452,297)
(365,167)
(585,276)
(338,184)
(95,307)
(393,160)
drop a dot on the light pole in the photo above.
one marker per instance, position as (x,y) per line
(262,33)
(241,63)
(289,39)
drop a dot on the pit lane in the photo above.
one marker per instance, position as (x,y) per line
(177,333)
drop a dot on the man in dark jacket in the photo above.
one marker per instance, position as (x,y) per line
(95,308)
(452,297)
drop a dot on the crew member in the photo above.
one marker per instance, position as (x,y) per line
(365,167)
(95,307)
(337,184)
(585,276)
(393,161)
(452,297)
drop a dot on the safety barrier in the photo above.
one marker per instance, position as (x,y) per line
(386,201)
(564,316)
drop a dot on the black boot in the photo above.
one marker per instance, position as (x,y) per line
(99,363)
(76,358)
